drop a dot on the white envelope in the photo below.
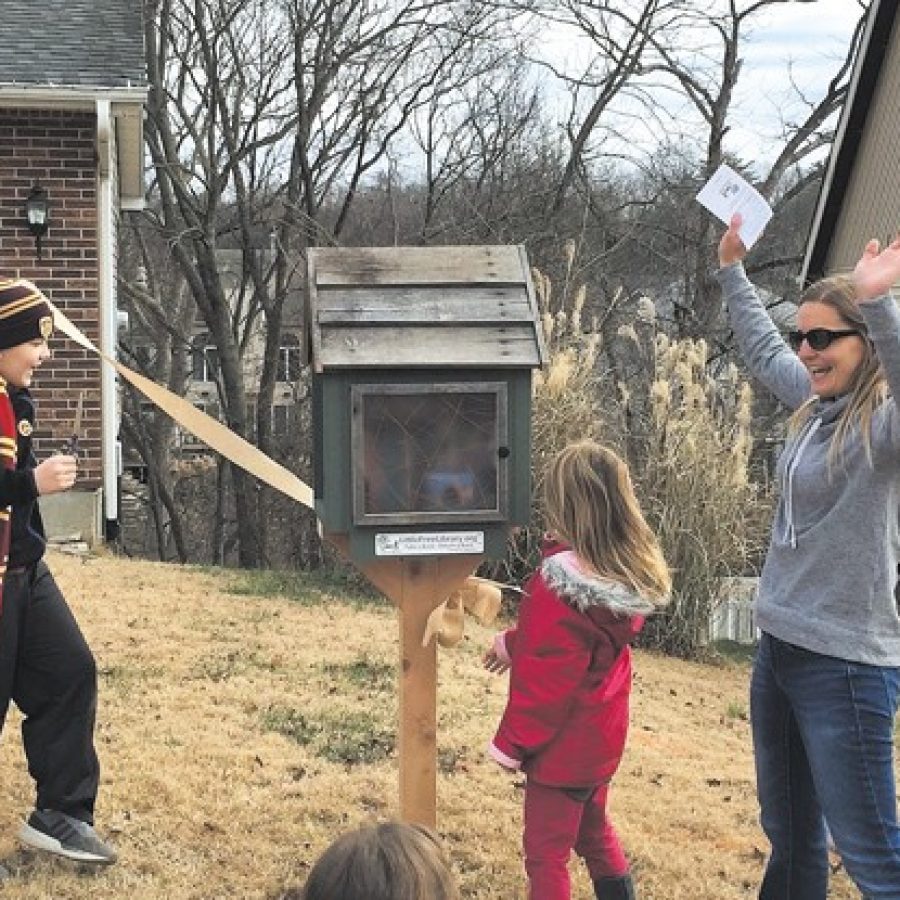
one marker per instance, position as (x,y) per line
(727,193)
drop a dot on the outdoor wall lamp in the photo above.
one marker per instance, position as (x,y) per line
(37,214)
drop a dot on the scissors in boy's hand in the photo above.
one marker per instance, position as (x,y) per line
(70,447)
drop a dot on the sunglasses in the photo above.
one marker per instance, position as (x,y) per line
(818,338)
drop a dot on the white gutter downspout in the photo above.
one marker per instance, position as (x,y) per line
(109,415)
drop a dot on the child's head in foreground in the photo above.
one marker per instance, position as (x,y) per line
(590,503)
(389,861)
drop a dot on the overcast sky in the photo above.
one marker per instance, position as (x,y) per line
(810,38)
(785,47)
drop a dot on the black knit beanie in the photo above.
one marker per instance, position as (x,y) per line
(25,313)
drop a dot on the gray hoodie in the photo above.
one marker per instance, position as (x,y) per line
(828,580)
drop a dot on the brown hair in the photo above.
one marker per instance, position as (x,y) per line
(589,502)
(388,861)
(869,387)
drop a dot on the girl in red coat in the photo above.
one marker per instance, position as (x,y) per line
(567,715)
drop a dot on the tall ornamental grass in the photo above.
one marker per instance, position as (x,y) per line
(711,518)
(686,435)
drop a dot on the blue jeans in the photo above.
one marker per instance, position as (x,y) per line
(823,731)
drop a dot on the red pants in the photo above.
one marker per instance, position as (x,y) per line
(558,820)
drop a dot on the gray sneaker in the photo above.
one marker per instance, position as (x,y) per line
(55,832)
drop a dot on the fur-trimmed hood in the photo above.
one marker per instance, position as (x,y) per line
(564,574)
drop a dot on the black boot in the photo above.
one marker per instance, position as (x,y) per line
(619,887)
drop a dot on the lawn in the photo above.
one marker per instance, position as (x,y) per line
(246,721)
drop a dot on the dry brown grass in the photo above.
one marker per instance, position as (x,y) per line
(204,802)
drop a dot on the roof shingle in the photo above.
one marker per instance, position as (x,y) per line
(72,43)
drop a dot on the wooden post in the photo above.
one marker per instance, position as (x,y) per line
(416,585)
(418,703)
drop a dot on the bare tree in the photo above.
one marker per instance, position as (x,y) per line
(270,119)
(708,72)
(623,40)
(264,120)
(216,112)
(651,102)
(156,343)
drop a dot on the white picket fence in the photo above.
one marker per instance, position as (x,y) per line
(733,616)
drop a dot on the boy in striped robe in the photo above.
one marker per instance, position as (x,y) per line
(46,667)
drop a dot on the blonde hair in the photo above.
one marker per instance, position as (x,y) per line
(589,502)
(869,387)
(388,861)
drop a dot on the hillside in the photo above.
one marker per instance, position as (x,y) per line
(240,732)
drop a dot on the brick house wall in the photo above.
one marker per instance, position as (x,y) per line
(56,149)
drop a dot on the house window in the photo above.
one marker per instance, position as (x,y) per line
(189,441)
(146,410)
(204,358)
(289,359)
(282,418)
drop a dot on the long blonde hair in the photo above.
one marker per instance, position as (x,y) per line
(589,502)
(869,387)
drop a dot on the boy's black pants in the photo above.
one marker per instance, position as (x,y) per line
(48,671)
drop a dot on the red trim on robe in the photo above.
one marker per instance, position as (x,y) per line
(8,459)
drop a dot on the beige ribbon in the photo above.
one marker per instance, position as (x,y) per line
(478,596)
(213,433)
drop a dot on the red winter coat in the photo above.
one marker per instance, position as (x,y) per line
(567,714)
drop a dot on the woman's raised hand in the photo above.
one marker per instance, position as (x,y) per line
(731,247)
(877,270)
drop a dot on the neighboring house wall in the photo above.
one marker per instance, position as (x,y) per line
(860,192)
(203,393)
(201,389)
(873,193)
(56,149)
